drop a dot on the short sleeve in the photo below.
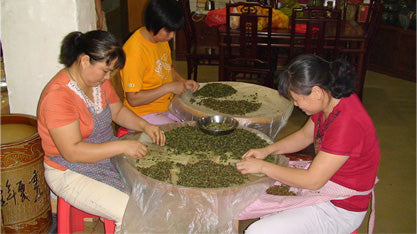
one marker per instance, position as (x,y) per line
(58,108)
(132,73)
(343,137)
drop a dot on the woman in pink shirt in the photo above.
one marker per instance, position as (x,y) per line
(347,151)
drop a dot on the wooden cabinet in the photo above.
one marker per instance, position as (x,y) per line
(394,52)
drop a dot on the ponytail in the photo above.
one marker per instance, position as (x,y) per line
(70,48)
(307,71)
(98,45)
(343,78)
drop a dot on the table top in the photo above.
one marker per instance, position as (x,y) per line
(269,118)
(350,30)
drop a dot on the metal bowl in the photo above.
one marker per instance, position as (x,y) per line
(217,124)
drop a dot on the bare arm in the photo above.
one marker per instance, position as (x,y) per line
(323,167)
(295,142)
(69,142)
(100,16)
(144,97)
(126,118)
(189,84)
(178,86)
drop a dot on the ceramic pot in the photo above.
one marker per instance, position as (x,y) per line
(25,206)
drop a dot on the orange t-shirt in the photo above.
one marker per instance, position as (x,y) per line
(60,106)
(148,66)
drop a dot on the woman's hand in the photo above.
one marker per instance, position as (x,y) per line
(157,135)
(192,85)
(256,153)
(134,149)
(250,165)
(177,87)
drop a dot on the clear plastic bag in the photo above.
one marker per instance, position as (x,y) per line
(158,207)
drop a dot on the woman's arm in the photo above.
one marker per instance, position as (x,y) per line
(100,16)
(323,167)
(144,97)
(320,171)
(295,142)
(123,116)
(68,141)
(178,86)
(189,84)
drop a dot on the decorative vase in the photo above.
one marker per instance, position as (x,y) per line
(25,206)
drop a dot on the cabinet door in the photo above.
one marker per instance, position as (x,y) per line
(394,52)
(136,12)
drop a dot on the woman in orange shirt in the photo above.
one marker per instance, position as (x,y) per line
(149,80)
(75,113)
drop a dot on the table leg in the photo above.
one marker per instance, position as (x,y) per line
(221,62)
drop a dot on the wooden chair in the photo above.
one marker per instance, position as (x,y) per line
(272,3)
(248,51)
(351,49)
(197,54)
(315,30)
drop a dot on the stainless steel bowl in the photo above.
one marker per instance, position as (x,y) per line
(217,124)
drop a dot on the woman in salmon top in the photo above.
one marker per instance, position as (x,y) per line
(75,113)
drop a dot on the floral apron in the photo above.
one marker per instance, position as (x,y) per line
(103,171)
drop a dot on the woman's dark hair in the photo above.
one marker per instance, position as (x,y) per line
(164,14)
(305,71)
(98,45)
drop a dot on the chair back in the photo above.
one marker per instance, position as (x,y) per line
(272,3)
(373,19)
(246,17)
(199,52)
(248,38)
(315,30)
(189,29)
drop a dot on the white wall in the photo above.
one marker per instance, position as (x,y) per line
(31,32)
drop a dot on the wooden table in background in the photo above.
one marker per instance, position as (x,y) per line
(352,44)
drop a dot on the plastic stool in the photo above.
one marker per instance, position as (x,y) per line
(355,232)
(71,219)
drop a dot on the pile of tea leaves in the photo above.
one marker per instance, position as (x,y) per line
(209,95)
(192,158)
(231,107)
(208,174)
(280,190)
(191,139)
(215,90)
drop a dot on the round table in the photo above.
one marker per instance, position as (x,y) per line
(269,119)
(159,207)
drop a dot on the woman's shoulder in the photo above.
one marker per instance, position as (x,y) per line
(352,113)
(59,81)
(352,105)
(137,42)
(57,87)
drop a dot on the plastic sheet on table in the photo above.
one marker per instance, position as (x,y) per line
(159,207)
